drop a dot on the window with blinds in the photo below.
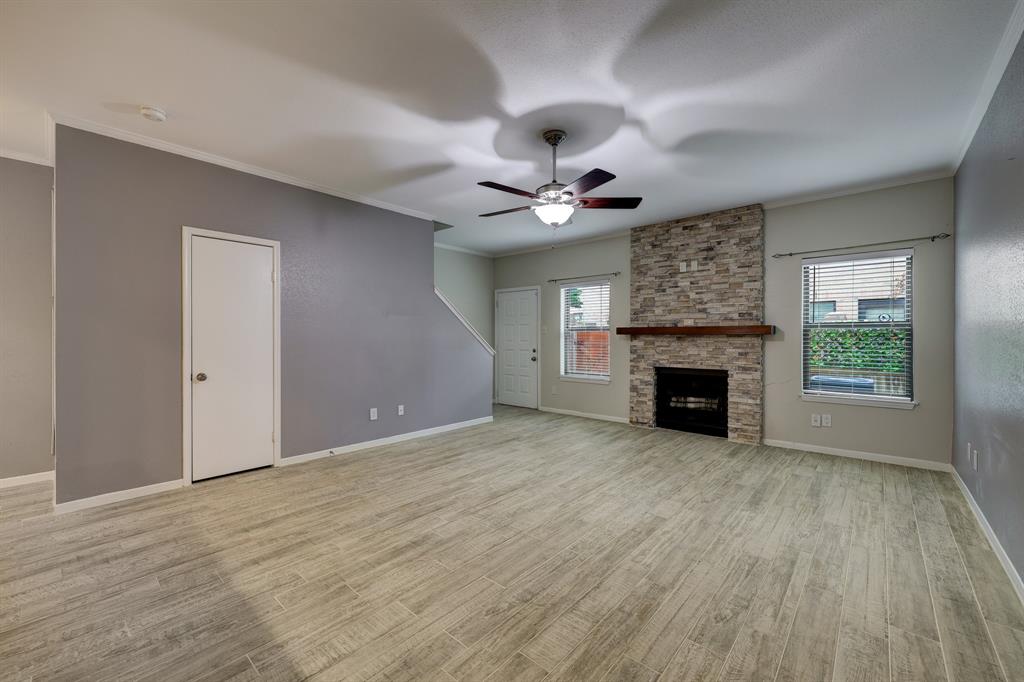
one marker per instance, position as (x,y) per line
(585,330)
(858,337)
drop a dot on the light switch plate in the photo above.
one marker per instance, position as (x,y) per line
(373,414)
(815,420)
(401,410)
(826,420)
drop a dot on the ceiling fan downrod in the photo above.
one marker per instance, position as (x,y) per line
(554,138)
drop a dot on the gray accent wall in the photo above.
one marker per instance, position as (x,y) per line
(25,315)
(989,412)
(360,324)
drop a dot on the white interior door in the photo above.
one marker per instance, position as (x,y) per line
(517,347)
(232,313)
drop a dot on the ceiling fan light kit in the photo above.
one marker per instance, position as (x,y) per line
(554,214)
(556,201)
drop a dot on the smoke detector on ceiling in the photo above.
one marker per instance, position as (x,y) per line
(153,113)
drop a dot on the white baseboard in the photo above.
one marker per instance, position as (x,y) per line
(116,496)
(857,454)
(343,449)
(121,495)
(26,479)
(585,415)
(997,547)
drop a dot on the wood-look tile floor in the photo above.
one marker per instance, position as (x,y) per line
(538,547)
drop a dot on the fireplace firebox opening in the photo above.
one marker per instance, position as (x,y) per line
(694,400)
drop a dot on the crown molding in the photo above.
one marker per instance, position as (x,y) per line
(559,245)
(181,150)
(27,158)
(460,249)
(996,69)
(861,189)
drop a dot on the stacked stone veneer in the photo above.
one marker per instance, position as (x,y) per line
(726,287)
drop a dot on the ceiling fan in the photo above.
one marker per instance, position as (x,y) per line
(556,201)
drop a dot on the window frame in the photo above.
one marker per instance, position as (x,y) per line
(896,402)
(582,378)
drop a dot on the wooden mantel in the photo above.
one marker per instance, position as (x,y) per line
(692,330)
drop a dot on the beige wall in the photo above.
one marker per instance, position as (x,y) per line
(579,260)
(25,350)
(467,280)
(898,213)
(902,212)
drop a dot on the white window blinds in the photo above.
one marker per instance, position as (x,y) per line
(858,325)
(585,330)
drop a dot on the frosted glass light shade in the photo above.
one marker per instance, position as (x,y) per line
(554,214)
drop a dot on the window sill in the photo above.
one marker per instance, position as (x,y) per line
(864,402)
(585,380)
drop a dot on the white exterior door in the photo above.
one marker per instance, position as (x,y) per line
(517,347)
(232,313)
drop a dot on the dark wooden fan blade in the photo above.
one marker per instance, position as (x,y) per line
(506,188)
(611,202)
(507,210)
(587,182)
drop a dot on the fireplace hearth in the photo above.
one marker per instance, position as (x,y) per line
(693,400)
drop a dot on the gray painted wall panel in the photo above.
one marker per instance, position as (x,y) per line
(990,313)
(25,352)
(361,326)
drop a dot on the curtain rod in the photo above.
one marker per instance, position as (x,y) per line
(582,277)
(931,238)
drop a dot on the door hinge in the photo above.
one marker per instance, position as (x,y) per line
(273,276)
(273,437)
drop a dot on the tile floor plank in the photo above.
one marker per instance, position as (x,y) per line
(539,546)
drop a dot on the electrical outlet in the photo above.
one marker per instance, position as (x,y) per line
(826,421)
(815,420)
(401,410)
(682,266)
(373,414)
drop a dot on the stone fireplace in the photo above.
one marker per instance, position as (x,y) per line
(704,270)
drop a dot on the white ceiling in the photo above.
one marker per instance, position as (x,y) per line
(695,105)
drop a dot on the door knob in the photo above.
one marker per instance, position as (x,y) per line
(201,376)
(533,359)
